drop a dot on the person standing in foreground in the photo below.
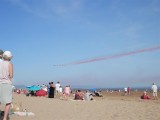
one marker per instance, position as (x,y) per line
(6,75)
(1,54)
(154,89)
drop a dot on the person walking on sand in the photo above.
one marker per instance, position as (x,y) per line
(125,91)
(67,91)
(128,90)
(6,76)
(154,90)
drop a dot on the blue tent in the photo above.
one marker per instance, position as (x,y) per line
(33,88)
(93,89)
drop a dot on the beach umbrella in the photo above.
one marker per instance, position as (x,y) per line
(33,88)
(93,89)
(41,93)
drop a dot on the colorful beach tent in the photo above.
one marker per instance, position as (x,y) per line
(33,88)
(41,93)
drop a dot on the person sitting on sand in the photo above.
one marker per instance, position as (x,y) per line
(79,95)
(145,96)
(98,94)
(88,96)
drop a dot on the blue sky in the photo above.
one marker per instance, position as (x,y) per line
(44,33)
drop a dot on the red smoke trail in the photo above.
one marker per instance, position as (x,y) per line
(113,56)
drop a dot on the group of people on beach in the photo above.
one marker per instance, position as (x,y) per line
(127,91)
(64,94)
(58,90)
(51,90)
(154,89)
(145,95)
(83,96)
(6,77)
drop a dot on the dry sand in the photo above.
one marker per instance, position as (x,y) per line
(112,106)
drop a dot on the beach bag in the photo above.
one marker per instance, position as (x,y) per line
(2,115)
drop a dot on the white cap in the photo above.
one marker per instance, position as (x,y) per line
(8,54)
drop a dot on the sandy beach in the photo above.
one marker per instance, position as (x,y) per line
(112,106)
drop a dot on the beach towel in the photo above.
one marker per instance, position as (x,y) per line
(24,113)
(76,100)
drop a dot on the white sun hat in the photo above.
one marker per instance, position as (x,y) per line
(7,54)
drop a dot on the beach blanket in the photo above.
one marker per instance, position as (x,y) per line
(77,100)
(24,113)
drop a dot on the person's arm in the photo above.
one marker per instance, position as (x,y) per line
(10,71)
